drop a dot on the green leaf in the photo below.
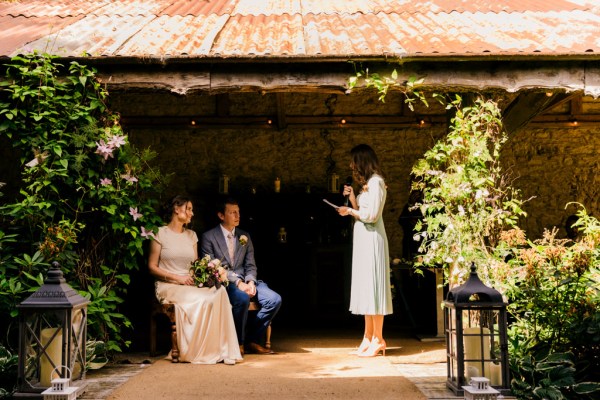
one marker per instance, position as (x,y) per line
(549,393)
(586,387)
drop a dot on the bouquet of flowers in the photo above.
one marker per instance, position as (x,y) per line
(208,272)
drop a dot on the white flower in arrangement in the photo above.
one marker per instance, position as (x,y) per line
(434,245)
(214,263)
(243,240)
(417,237)
(461,259)
(481,194)
(448,260)
(461,211)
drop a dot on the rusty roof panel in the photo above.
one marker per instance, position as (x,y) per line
(177,35)
(300,28)
(268,7)
(349,34)
(124,8)
(499,33)
(17,32)
(93,35)
(57,8)
(304,7)
(487,6)
(249,35)
(202,7)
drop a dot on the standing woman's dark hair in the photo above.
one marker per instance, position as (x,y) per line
(169,207)
(364,163)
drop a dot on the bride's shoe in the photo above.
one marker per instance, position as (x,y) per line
(364,345)
(374,348)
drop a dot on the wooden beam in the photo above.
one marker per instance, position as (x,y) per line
(281,109)
(576,105)
(528,105)
(333,77)
(223,104)
(262,122)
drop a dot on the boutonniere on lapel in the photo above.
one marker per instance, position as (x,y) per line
(243,240)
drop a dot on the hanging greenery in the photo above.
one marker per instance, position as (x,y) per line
(467,199)
(86,197)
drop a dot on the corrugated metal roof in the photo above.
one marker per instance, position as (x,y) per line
(300,28)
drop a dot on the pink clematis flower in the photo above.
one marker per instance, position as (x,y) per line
(147,234)
(129,178)
(116,141)
(105,182)
(105,150)
(134,213)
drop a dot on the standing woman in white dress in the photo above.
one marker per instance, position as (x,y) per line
(205,328)
(370,293)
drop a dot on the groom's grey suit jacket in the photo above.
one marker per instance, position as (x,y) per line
(213,243)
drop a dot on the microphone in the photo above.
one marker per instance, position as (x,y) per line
(347,197)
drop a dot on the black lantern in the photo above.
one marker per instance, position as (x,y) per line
(476,340)
(52,335)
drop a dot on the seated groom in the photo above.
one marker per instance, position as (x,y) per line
(234,247)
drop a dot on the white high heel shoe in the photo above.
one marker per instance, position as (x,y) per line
(374,348)
(364,345)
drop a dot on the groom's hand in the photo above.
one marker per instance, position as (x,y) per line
(253,287)
(249,289)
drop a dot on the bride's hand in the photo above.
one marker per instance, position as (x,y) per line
(185,280)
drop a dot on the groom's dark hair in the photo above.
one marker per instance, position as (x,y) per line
(223,203)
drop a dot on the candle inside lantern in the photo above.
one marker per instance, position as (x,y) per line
(495,374)
(277,185)
(471,371)
(54,351)
(473,350)
(473,344)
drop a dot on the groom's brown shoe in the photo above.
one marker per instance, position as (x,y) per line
(242,349)
(258,349)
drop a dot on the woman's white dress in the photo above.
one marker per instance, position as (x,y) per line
(205,328)
(370,292)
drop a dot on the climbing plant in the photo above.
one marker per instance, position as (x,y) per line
(86,195)
(467,197)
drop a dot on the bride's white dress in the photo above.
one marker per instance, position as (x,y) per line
(205,328)
(370,292)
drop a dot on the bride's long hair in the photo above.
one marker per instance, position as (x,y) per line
(364,163)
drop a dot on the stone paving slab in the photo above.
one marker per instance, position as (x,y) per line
(102,382)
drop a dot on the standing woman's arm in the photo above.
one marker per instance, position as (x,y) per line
(374,193)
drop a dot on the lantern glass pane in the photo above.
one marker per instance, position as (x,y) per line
(454,370)
(43,340)
(77,353)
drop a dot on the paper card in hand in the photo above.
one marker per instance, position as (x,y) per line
(331,204)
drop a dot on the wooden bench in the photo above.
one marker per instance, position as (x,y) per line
(168,310)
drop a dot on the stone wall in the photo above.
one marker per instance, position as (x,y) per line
(254,158)
(553,166)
